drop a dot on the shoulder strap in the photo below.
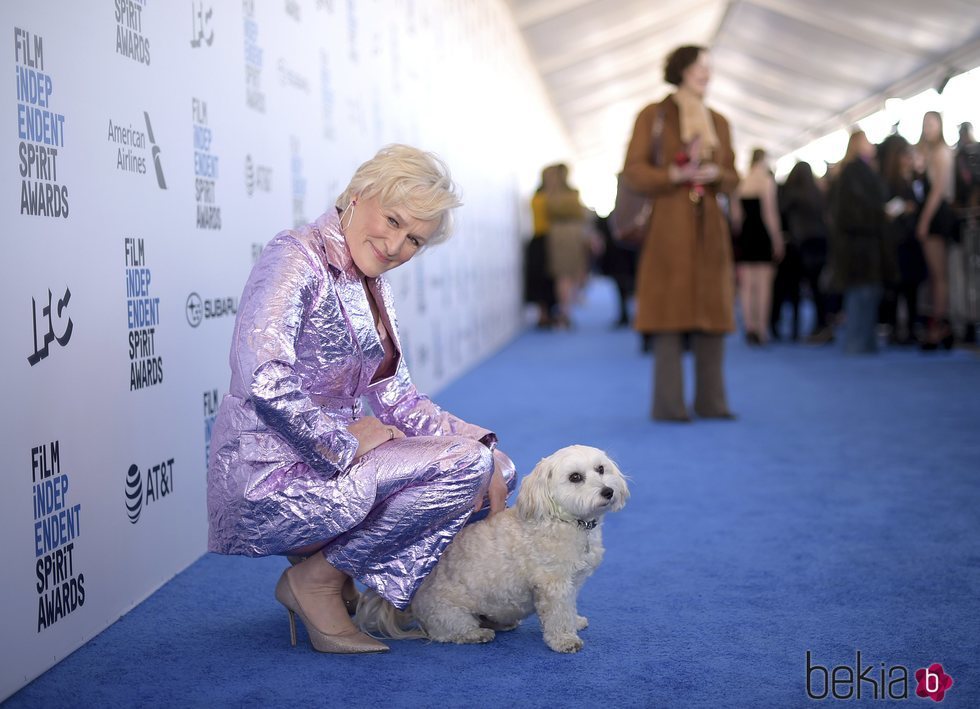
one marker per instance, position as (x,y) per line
(656,137)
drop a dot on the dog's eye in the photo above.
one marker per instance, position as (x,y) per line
(575,478)
(600,469)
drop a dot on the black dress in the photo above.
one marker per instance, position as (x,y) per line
(754,244)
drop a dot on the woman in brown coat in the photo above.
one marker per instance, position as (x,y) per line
(681,154)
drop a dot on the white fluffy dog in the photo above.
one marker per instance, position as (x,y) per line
(533,557)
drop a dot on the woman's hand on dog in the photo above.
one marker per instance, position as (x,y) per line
(497,491)
(371,433)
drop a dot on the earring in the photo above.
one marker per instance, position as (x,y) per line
(350,207)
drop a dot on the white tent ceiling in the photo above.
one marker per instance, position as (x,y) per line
(785,71)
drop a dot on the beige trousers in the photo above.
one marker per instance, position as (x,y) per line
(668,376)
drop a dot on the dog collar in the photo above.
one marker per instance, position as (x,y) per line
(587,525)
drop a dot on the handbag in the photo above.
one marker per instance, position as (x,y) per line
(631,214)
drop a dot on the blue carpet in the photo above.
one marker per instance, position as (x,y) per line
(840,513)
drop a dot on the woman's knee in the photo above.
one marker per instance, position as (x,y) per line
(474,455)
(463,458)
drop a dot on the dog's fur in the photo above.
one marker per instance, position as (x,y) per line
(533,557)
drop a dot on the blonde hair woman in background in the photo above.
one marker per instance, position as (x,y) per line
(567,239)
(295,467)
(539,286)
(937,225)
(759,242)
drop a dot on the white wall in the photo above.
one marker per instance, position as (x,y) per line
(286,98)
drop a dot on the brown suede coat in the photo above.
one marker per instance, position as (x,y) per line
(685,278)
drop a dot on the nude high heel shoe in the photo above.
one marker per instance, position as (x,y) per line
(349,642)
(348,594)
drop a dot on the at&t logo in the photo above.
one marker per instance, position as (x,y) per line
(134,493)
(159,482)
(258,178)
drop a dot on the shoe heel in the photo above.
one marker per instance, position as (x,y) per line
(292,628)
(346,643)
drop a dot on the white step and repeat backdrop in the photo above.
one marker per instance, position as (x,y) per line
(148,151)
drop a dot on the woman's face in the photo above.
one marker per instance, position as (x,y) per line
(696,76)
(930,128)
(381,238)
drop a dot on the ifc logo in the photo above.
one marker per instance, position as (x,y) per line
(194,310)
(134,493)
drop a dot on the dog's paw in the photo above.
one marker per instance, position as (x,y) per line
(581,622)
(476,635)
(565,643)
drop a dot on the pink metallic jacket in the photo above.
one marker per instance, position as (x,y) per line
(304,351)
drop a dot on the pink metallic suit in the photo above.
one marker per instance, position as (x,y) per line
(282,473)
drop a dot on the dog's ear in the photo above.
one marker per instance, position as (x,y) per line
(534,497)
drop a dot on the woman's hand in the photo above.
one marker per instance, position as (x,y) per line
(778,250)
(706,173)
(693,173)
(496,491)
(371,433)
(681,174)
(922,231)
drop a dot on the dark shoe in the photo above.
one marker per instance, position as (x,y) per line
(823,336)
(940,334)
(726,416)
(753,339)
(970,336)
(673,419)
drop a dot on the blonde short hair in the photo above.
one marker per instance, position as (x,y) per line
(403,176)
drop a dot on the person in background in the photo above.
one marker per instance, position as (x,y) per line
(858,206)
(787,283)
(568,240)
(295,467)
(539,286)
(937,225)
(685,281)
(967,204)
(760,243)
(804,212)
(618,262)
(897,170)
(967,193)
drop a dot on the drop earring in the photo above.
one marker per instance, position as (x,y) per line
(350,207)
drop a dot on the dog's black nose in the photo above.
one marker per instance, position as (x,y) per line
(607,492)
